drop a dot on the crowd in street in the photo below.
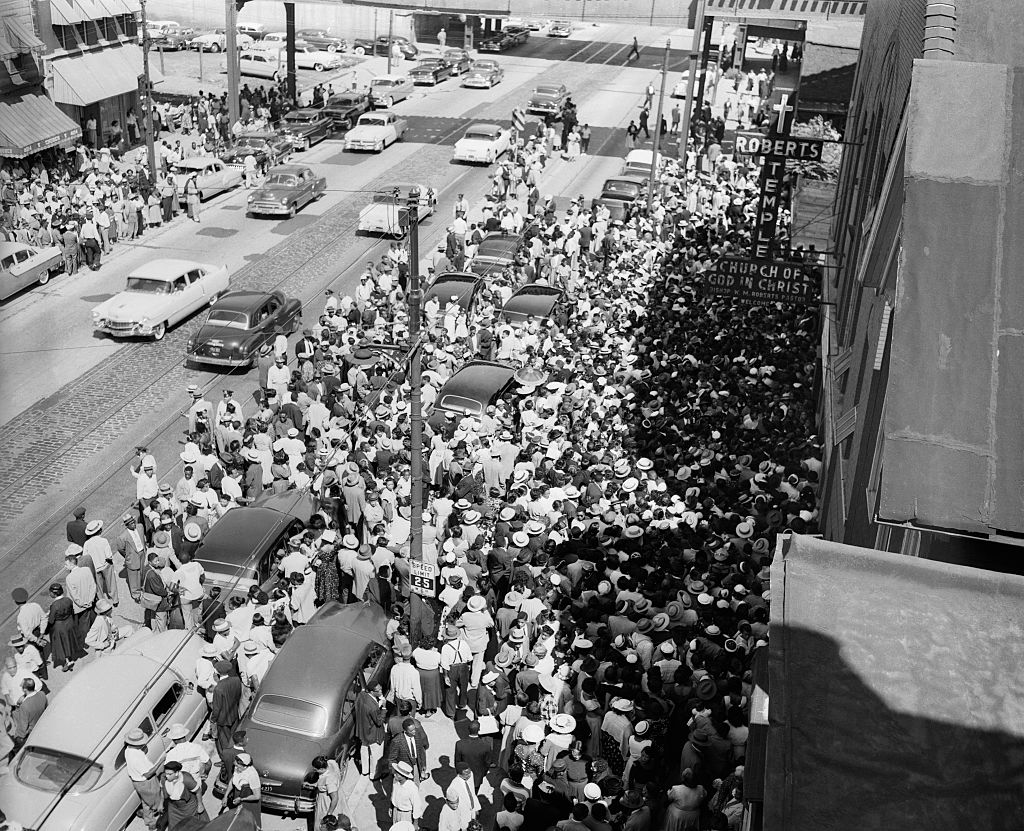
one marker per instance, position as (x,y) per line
(600,539)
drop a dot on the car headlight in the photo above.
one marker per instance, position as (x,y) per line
(96,317)
(252,198)
(284,200)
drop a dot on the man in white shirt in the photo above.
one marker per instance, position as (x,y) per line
(191,756)
(144,775)
(189,578)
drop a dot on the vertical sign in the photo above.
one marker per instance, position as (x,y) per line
(772,182)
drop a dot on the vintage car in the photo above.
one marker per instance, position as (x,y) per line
(430,72)
(461,286)
(483,74)
(212,176)
(388,90)
(22,265)
(257,31)
(457,59)
(625,190)
(388,214)
(679,88)
(267,63)
(531,301)
(306,127)
(322,39)
(559,29)
(217,41)
(496,253)
(174,39)
(638,163)
(482,144)
(305,708)
(267,148)
(70,773)
(547,99)
(344,108)
(375,131)
(308,56)
(159,294)
(382,45)
(239,324)
(287,188)
(274,40)
(471,390)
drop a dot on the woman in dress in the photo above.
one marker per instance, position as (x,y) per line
(638,740)
(65,639)
(616,729)
(685,800)
(572,147)
(427,659)
(183,798)
(244,789)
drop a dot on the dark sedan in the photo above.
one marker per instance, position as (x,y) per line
(495,253)
(458,59)
(471,390)
(460,285)
(345,108)
(505,39)
(381,46)
(548,99)
(239,324)
(430,71)
(306,708)
(322,39)
(267,148)
(531,301)
(306,127)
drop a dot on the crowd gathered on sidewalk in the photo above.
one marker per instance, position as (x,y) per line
(600,539)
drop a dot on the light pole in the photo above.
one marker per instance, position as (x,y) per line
(657,128)
(147,124)
(415,385)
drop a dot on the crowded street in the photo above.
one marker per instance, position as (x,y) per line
(217,598)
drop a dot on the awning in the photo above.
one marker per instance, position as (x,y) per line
(896,697)
(62,13)
(22,36)
(85,79)
(31,122)
(7,52)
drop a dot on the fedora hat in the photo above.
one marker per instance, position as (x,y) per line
(476,603)
(520,539)
(94,527)
(403,769)
(135,738)
(471,517)
(562,723)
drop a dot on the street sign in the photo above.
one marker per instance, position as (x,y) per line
(762,281)
(783,147)
(518,119)
(422,579)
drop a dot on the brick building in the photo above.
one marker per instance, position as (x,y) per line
(923,353)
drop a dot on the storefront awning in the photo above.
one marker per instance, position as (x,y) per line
(63,13)
(21,35)
(85,79)
(32,122)
(896,698)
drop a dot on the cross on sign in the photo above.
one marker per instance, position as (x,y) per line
(783,107)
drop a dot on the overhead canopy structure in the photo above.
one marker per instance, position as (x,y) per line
(31,122)
(81,80)
(649,12)
(896,697)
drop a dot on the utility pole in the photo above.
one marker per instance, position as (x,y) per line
(147,124)
(657,128)
(698,29)
(231,56)
(289,41)
(705,57)
(415,383)
(391,32)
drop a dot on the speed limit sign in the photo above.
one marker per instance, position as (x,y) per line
(422,578)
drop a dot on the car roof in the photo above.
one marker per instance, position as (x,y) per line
(627,177)
(497,244)
(196,161)
(554,87)
(288,168)
(79,718)
(10,247)
(237,534)
(303,111)
(640,156)
(165,269)
(532,301)
(475,378)
(241,301)
(392,77)
(484,125)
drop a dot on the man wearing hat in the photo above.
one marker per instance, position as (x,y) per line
(99,551)
(132,547)
(456,661)
(194,760)
(406,800)
(32,622)
(81,588)
(144,775)
(76,527)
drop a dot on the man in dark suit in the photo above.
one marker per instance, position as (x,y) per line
(476,751)
(411,746)
(76,528)
(224,707)
(131,545)
(29,710)
(369,729)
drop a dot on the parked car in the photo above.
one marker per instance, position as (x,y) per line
(560,29)
(496,253)
(306,127)
(344,108)
(274,40)
(159,294)
(375,131)
(174,39)
(531,301)
(430,71)
(244,546)
(308,56)
(265,63)
(73,760)
(626,190)
(22,265)
(505,39)
(457,59)
(254,30)
(388,90)
(638,163)
(217,41)
(287,188)
(382,45)
(323,39)
(213,176)
(531,23)
(483,74)
(239,324)
(463,286)
(306,708)
(267,148)
(483,144)
(471,390)
(548,99)
(388,212)
(679,88)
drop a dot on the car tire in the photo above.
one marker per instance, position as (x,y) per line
(332,47)
(214,47)
(291,211)
(359,50)
(379,148)
(389,102)
(159,332)
(319,67)
(276,77)
(44,278)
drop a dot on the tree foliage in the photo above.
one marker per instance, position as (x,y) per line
(827,170)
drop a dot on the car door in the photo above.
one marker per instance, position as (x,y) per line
(21,269)
(197,289)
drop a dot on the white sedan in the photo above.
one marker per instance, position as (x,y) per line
(483,144)
(309,57)
(217,41)
(159,294)
(212,176)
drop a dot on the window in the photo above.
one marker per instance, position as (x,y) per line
(22,256)
(179,284)
(374,658)
(7,261)
(349,704)
(165,706)
(195,275)
(272,305)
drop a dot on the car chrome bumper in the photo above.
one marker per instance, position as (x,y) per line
(270,209)
(288,804)
(471,159)
(219,361)
(361,145)
(124,330)
(479,83)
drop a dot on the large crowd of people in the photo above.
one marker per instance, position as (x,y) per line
(600,538)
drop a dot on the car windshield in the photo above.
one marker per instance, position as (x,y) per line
(482,66)
(373,121)
(297,118)
(306,49)
(624,188)
(481,135)
(342,101)
(51,770)
(291,714)
(147,285)
(186,168)
(233,320)
(249,144)
(382,82)
(547,91)
(281,180)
